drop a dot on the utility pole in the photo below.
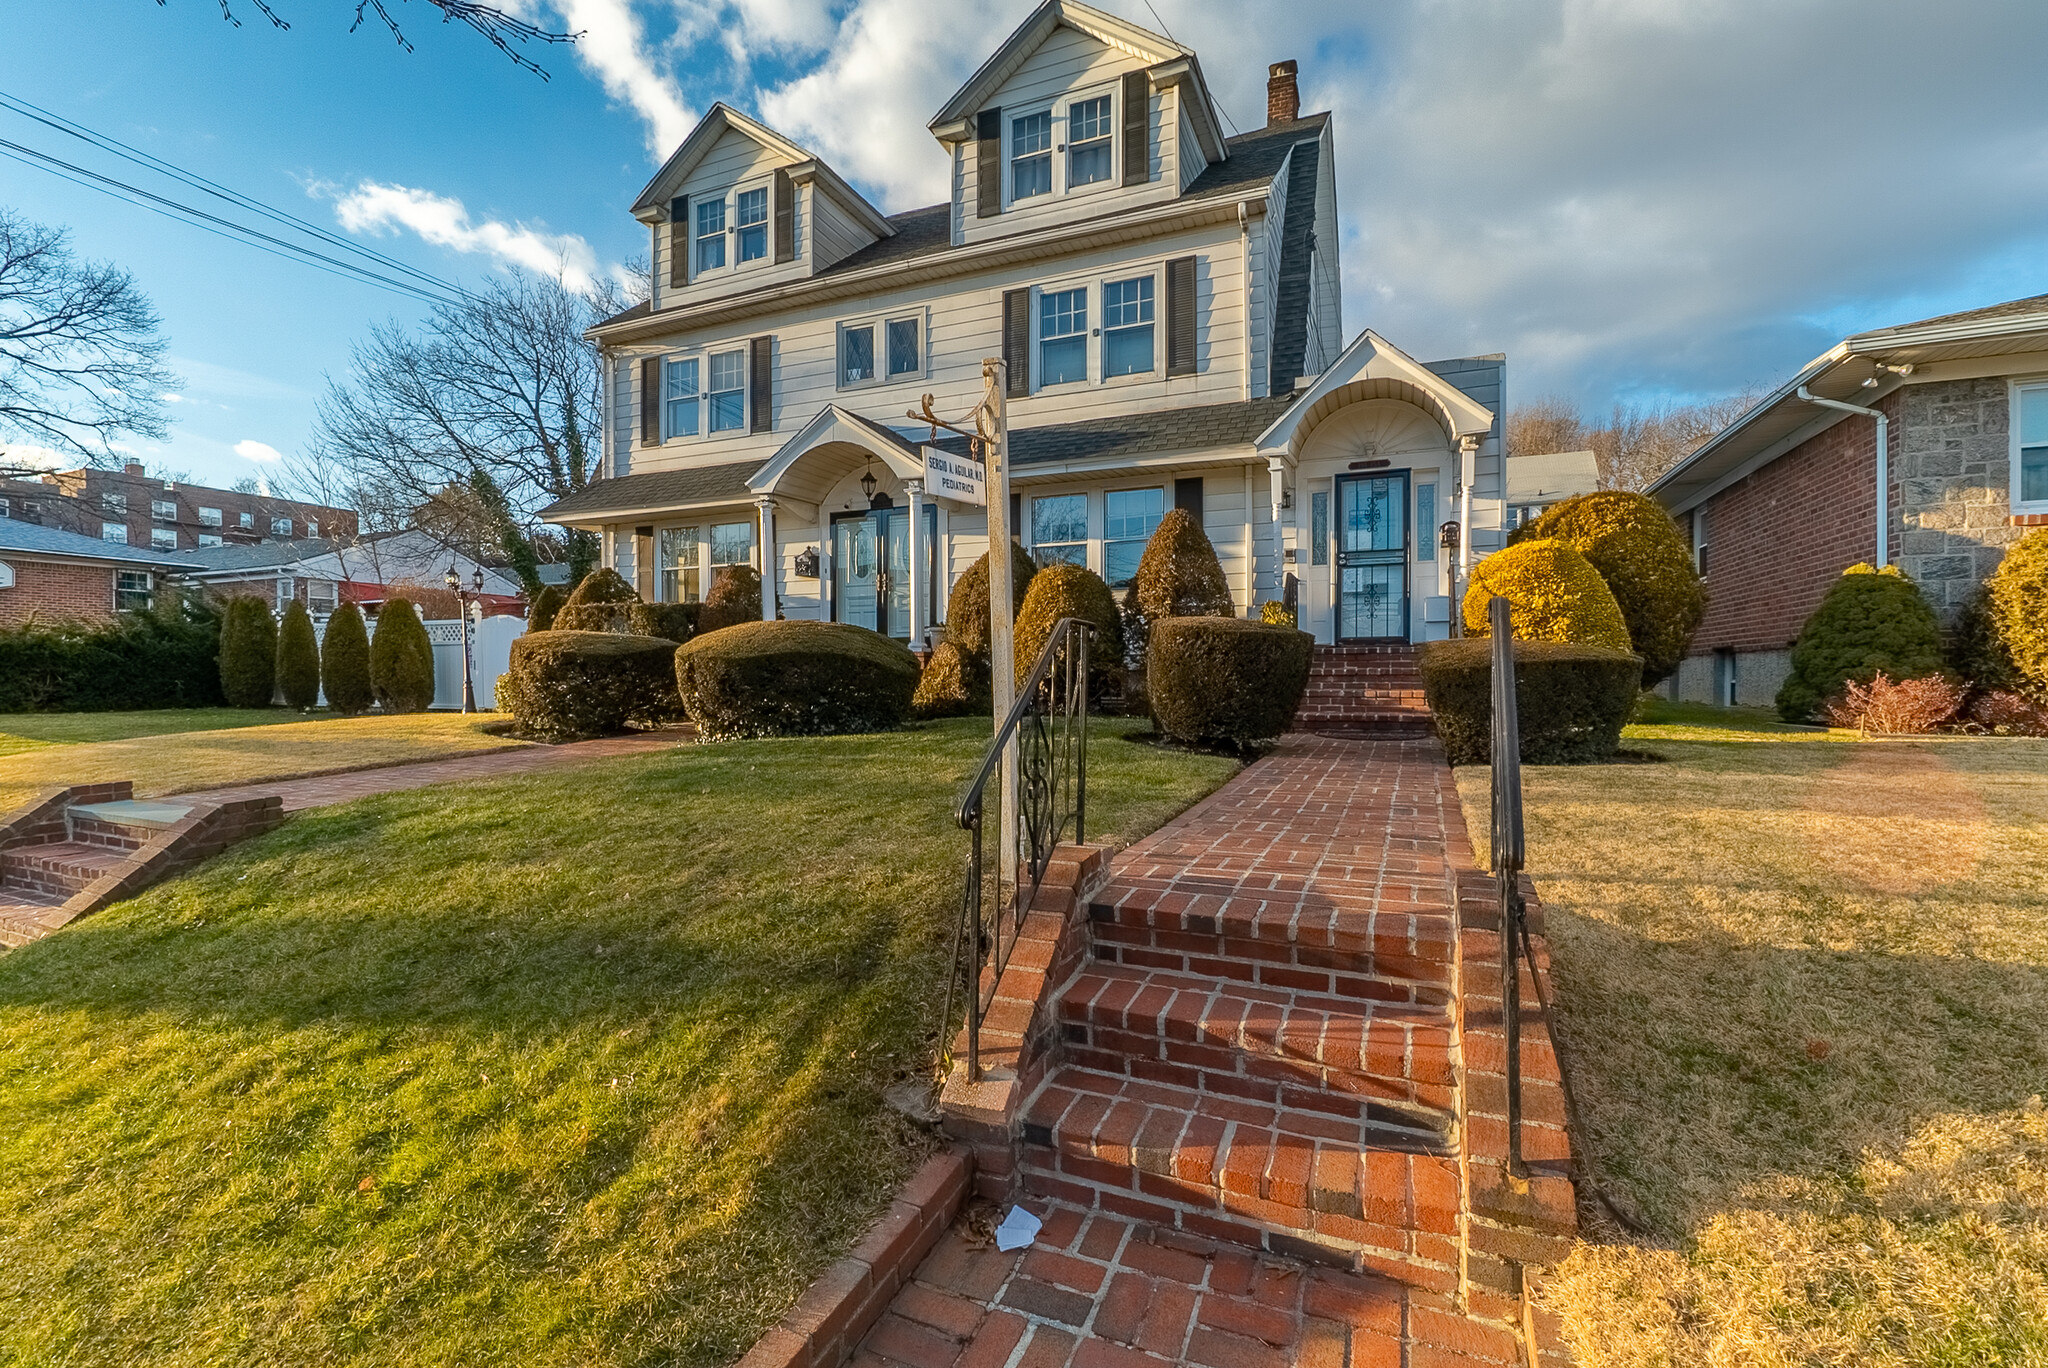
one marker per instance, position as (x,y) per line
(993,421)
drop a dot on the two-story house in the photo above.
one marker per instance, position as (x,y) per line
(1165,298)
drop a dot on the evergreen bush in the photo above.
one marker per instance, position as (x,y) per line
(676,622)
(1179,575)
(401,659)
(1229,682)
(298,659)
(1869,621)
(345,662)
(954,684)
(540,614)
(1063,591)
(2019,605)
(1555,593)
(735,597)
(967,618)
(1637,549)
(248,653)
(168,657)
(602,603)
(1571,699)
(795,679)
(570,686)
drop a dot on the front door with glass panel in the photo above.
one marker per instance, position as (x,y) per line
(1372,557)
(871,568)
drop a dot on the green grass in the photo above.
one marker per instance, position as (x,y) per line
(581,1068)
(1660,719)
(28,731)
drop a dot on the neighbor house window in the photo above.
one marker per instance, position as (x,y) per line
(728,391)
(241,519)
(679,396)
(4,512)
(711,235)
(284,592)
(675,550)
(113,503)
(2030,460)
(1031,155)
(1129,518)
(1088,141)
(131,590)
(1059,529)
(1062,336)
(731,544)
(114,532)
(163,538)
(280,527)
(163,510)
(1127,326)
(903,348)
(321,597)
(750,216)
(1699,541)
(209,539)
(1425,522)
(210,517)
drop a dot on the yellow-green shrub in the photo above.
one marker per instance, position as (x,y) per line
(1555,593)
(1635,546)
(1571,700)
(1063,591)
(2019,603)
(954,684)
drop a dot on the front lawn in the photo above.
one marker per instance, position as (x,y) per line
(1805,985)
(27,731)
(578,1068)
(252,745)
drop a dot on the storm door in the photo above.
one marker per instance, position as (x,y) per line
(1372,557)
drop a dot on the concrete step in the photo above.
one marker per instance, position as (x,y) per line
(56,868)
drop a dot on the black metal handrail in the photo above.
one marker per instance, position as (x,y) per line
(1049,724)
(1510,852)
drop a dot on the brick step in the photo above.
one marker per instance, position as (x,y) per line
(1240,1040)
(1297,1183)
(21,916)
(125,824)
(1283,941)
(56,867)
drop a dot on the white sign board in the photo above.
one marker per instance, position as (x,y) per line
(959,478)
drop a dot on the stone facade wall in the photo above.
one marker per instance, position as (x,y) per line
(1952,468)
(1758,677)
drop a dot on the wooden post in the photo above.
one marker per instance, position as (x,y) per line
(1001,611)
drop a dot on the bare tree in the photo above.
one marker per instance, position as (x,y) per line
(80,354)
(1547,425)
(500,28)
(1638,443)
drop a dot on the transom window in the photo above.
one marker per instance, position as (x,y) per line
(1031,155)
(1127,326)
(711,235)
(750,216)
(1089,134)
(679,401)
(728,391)
(1059,529)
(2030,461)
(132,590)
(675,551)
(1129,518)
(731,544)
(1062,336)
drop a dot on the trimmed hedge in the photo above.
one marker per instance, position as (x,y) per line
(298,659)
(735,598)
(675,621)
(401,659)
(1635,546)
(967,617)
(602,603)
(1218,681)
(540,614)
(1179,575)
(168,657)
(1063,591)
(2019,603)
(1571,699)
(345,662)
(570,686)
(1556,595)
(248,653)
(954,684)
(795,679)
(1870,621)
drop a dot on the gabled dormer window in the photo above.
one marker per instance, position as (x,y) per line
(1031,155)
(711,235)
(1089,142)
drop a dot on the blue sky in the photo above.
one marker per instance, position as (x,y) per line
(1632,199)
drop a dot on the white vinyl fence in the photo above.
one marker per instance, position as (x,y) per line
(490,654)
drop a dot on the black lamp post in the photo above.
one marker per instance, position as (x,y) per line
(465,597)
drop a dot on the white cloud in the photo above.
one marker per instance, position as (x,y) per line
(614,48)
(375,208)
(249,449)
(35,457)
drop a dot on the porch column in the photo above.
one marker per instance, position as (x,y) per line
(1276,469)
(771,560)
(918,589)
(1468,471)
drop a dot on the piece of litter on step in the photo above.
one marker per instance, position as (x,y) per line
(1019,1228)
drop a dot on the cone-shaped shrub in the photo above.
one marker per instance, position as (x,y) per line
(540,616)
(602,603)
(1227,682)
(298,658)
(345,662)
(1556,594)
(1871,620)
(1635,546)
(954,684)
(248,653)
(2019,605)
(1179,575)
(401,659)
(734,599)
(967,620)
(1063,591)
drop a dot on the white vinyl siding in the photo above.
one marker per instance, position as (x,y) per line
(735,163)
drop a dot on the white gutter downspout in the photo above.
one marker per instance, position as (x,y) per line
(1884,487)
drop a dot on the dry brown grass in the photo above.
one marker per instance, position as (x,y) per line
(1806,988)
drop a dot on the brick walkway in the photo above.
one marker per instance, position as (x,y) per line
(321,790)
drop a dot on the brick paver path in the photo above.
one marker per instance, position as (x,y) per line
(321,790)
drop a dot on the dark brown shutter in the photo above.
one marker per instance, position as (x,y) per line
(1137,128)
(650,401)
(679,242)
(1017,341)
(761,384)
(1187,495)
(1180,316)
(988,163)
(785,217)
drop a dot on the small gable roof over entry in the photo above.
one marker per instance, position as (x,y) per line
(1374,368)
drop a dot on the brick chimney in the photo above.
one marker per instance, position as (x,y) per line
(135,468)
(1283,96)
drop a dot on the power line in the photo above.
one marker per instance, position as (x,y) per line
(1212,98)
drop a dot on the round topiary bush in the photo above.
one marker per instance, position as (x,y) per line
(401,659)
(1635,546)
(298,658)
(954,684)
(1179,575)
(735,597)
(248,653)
(569,686)
(1555,593)
(1230,682)
(345,662)
(967,618)
(795,679)
(675,621)
(1870,621)
(1063,591)
(1571,699)
(540,615)
(2019,605)
(602,603)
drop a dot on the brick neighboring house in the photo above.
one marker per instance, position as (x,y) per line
(130,507)
(1782,500)
(53,575)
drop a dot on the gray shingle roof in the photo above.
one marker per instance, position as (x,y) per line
(255,556)
(28,538)
(1140,434)
(2011,308)
(657,489)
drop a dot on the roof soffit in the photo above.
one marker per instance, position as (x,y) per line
(1148,47)
(1372,367)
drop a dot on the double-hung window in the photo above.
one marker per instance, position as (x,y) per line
(163,538)
(1127,326)
(750,216)
(731,544)
(1031,155)
(210,517)
(321,597)
(675,550)
(1062,336)
(679,400)
(209,539)
(285,593)
(114,532)
(132,590)
(728,391)
(114,503)
(711,234)
(1089,138)
(163,510)
(2030,450)
(242,520)
(1129,518)
(280,527)
(1059,529)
